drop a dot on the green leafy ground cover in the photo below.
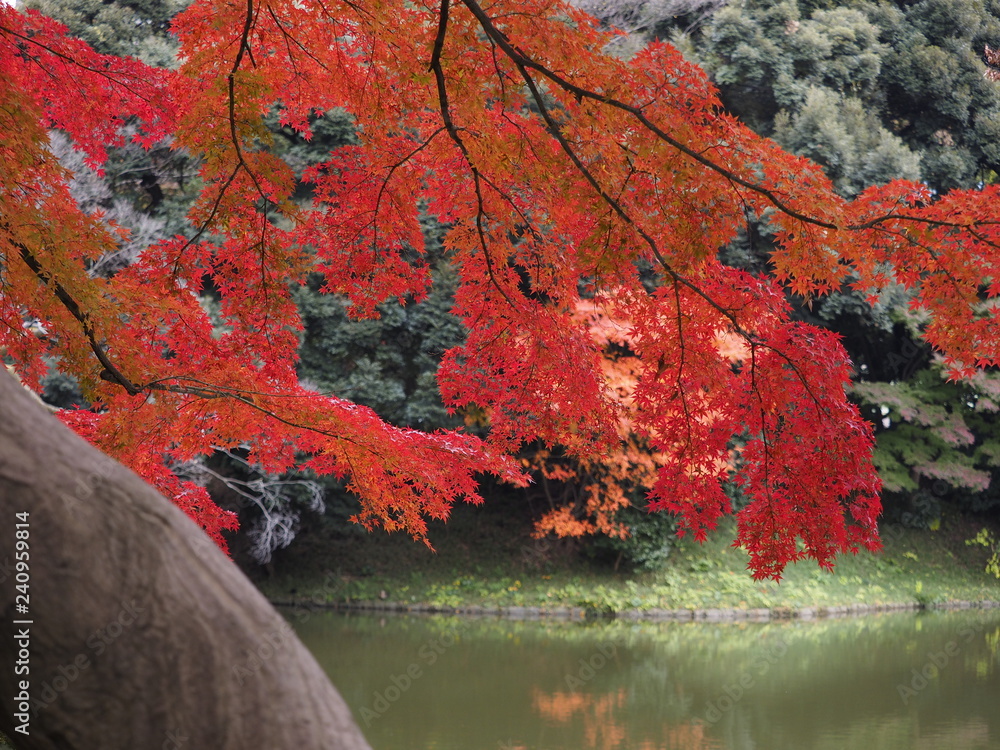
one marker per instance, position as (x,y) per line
(487,558)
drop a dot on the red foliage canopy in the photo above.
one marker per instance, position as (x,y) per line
(506,121)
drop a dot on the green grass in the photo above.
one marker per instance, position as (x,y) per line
(484,558)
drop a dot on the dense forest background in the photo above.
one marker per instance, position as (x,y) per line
(872,91)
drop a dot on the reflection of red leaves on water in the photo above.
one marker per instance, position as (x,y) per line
(598,713)
(603,729)
(560,707)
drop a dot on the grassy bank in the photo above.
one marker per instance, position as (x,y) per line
(485,558)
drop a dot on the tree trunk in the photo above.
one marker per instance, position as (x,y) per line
(140,633)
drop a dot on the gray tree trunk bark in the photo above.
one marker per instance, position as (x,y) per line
(141,634)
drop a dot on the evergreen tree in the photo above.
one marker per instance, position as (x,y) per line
(127,28)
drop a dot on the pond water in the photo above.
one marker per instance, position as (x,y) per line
(882,682)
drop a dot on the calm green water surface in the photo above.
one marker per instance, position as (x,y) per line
(875,683)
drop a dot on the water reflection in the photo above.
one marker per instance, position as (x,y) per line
(883,682)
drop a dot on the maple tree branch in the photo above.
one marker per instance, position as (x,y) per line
(523,62)
(501,76)
(439,38)
(361,11)
(234,136)
(942,269)
(620,211)
(291,40)
(688,418)
(392,170)
(520,63)
(70,60)
(112,373)
(452,129)
(204,389)
(207,390)
(980,238)
(939,223)
(244,47)
(210,218)
(763,437)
